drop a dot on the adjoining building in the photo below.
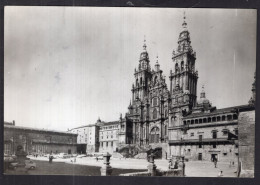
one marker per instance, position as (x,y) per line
(87,140)
(108,136)
(38,141)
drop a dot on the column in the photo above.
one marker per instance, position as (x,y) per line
(132,96)
(170,84)
(134,132)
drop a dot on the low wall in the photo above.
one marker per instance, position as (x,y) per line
(164,173)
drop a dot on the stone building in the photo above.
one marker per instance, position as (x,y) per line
(38,141)
(87,140)
(108,136)
(175,119)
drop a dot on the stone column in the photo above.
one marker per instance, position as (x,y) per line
(171,81)
(133,95)
(106,169)
(134,132)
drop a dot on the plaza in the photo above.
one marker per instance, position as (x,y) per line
(90,166)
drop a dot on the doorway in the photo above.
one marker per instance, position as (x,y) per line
(200,157)
(214,157)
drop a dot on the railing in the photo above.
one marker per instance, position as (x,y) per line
(204,140)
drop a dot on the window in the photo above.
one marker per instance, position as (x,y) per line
(224,154)
(154,113)
(192,134)
(155,102)
(111,143)
(107,144)
(214,145)
(200,138)
(225,132)
(236,131)
(176,68)
(214,134)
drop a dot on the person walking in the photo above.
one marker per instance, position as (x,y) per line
(215,162)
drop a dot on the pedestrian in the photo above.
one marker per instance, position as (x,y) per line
(220,174)
(97,158)
(215,163)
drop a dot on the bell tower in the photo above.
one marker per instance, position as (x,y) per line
(142,76)
(183,86)
(183,77)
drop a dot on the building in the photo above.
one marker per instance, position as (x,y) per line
(87,140)
(175,119)
(39,141)
(108,136)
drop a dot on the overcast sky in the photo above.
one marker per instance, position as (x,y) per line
(66,66)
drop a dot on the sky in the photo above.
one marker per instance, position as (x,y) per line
(66,66)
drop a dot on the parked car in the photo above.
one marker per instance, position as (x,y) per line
(30,164)
(13,165)
(81,155)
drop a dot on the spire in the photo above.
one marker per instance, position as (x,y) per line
(184,24)
(157,65)
(144,46)
(202,94)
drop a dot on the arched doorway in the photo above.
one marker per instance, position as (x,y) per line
(154,135)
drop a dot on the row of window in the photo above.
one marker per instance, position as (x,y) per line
(211,119)
(106,144)
(109,127)
(214,133)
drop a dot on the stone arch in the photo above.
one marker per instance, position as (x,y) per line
(154,134)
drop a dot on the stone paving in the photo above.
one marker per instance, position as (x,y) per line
(193,168)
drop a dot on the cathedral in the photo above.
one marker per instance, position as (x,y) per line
(176,119)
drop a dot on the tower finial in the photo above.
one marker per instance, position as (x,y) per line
(144,46)
(202,94)
(184,24)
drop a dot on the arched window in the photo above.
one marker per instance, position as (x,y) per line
(154,113)
(155,79)
(176,67)
(182,65)
(155,102)
(154,135)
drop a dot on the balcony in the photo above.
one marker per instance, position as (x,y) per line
(197,141)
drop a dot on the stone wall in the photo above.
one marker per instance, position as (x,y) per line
(246,142)
(164,173)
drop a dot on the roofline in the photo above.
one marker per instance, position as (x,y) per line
(90,125)
(36,129)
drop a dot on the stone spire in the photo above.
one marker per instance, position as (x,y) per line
(184,24)
(202,94)
(144,59)
(144,46)
(157,65)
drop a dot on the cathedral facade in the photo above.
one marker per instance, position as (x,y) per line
(175,119)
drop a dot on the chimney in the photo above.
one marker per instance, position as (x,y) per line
(13,122)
